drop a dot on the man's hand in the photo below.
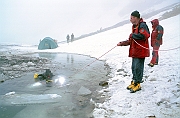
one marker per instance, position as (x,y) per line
(119,44)
(124,43)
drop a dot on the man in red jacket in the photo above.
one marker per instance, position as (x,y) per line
(156,41)
(139,49)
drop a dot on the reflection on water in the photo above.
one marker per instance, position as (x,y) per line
(60,80)
(58,56)
(69,105)
(71,58)
(47,55)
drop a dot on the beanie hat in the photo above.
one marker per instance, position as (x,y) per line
(135,14)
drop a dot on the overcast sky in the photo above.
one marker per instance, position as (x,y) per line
(28,21)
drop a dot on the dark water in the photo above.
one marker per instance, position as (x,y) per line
(36,100)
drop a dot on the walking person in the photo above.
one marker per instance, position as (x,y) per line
(72,37)
(156,41)
(67,37)
(139,49)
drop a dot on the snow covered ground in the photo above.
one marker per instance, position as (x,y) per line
(160,94)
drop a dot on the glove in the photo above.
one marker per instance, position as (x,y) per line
(119,44)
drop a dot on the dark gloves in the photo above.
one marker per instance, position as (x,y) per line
(123,43)
(127,42)
(119,44)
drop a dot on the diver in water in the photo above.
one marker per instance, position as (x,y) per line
(47,75)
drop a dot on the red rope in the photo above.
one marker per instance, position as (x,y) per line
(155,50)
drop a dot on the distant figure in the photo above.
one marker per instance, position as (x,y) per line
(72,37)
(156,41)
(67,37)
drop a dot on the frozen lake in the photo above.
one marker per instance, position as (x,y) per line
(23,97)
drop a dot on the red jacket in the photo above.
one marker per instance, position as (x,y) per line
(140,34)
(157,33)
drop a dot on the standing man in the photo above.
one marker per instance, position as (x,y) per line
(156,41)
(72,37)
(139,49)
(67,37)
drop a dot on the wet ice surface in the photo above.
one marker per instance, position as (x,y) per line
(23,97)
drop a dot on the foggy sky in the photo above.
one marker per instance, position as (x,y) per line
(28,21)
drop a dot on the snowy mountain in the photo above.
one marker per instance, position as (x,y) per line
(162,10)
